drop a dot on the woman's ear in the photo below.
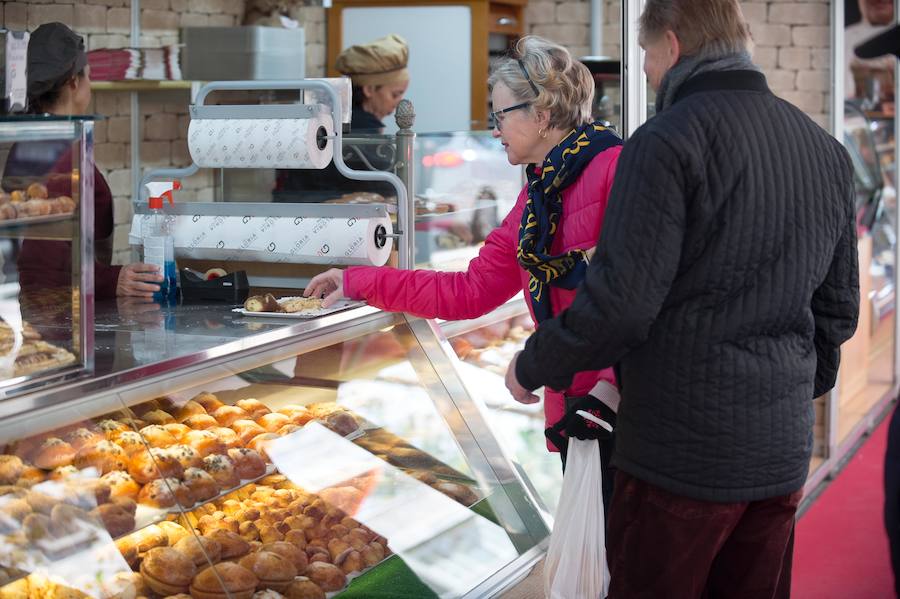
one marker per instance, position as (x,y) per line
(542,118)
(368,90)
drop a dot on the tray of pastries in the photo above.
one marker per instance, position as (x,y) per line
(291,307)
(34,354)
(34,205)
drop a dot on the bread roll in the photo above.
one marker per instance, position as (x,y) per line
(232,544)
(153,464)
(111,428)
(253,407)
(200,549)
(191,408)
(166,493)
(273,422)
(327,576)
(157,436)
(205,442)
(200,422)
(158,417)
(246,430)
(290,552)
(227,436)
(239,583)
(271,569)
(167,571)
(37,191)
(177,430)
(209,401)
(227,415)
(115,518)
(121,484)
(82,437)
(11,468)
(303,588)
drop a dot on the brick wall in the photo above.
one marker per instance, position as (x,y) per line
(107,24)
(792,42)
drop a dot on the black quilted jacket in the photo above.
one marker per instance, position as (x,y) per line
(724,283)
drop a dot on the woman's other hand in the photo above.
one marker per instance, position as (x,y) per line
(138,280)
(328,285)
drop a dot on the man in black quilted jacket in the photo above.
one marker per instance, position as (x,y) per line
(723,285)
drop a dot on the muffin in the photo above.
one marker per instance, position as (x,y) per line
(105,456)
(222,469)
(53,453)
(247,462)
(201,484)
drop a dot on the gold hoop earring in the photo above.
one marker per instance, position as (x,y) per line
(542,133)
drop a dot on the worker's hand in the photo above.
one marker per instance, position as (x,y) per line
(519,393)
(138,280)
(328,285)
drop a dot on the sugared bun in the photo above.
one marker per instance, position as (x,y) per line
(186,455)
(131,442)
(226,415)
(105,456)
(209,401)
(205,442)
(222,469)
(248,463)
(253,407)
(165,493)
(200,422)
(151,465)
(111,428)
(191,408)
(82,437)
(201,483)
(11,468)
(121,484)
(53,453)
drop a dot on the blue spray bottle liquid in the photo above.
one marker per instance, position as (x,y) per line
(158,239)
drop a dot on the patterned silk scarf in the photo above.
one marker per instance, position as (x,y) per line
(540,219)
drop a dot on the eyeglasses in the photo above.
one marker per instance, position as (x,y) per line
(528,78)
(495,114)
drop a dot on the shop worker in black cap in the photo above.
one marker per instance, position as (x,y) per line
(59,84)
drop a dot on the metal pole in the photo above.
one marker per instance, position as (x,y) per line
(406,170)
(634,87)
(838,70)
(135,109)
(597,27)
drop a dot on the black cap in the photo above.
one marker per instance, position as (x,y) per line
(886,42)
(55,53)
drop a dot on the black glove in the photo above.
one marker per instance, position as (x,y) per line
(579,427)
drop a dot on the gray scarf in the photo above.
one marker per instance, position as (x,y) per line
(689,66)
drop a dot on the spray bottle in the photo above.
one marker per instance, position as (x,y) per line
(157,235)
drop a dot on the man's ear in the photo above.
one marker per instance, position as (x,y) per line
(674,47)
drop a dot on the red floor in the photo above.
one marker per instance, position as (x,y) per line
(841,548)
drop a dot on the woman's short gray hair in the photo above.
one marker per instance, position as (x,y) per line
(564,85)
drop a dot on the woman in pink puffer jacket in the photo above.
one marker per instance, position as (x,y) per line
(542,100)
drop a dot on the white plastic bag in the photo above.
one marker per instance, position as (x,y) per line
(575,566)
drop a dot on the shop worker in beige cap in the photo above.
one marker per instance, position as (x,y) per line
(380,78)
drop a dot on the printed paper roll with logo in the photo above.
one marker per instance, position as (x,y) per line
(280,239)
(262,143)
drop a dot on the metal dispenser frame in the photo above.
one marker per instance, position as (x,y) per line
(405,139)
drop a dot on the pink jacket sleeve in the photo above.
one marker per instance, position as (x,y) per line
(491,278)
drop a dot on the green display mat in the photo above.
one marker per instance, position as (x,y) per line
(392,579)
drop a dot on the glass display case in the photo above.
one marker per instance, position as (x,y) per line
(341,455)
(46,239)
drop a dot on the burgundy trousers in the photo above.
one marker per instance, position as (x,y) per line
(663,545)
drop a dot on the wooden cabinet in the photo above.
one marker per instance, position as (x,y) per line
(449,50)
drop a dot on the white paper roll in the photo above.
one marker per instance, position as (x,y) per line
(293,240)
(262,143)
(344,88)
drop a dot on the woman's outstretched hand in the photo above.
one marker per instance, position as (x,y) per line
(328,285)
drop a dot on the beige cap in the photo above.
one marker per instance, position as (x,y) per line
(381,62)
